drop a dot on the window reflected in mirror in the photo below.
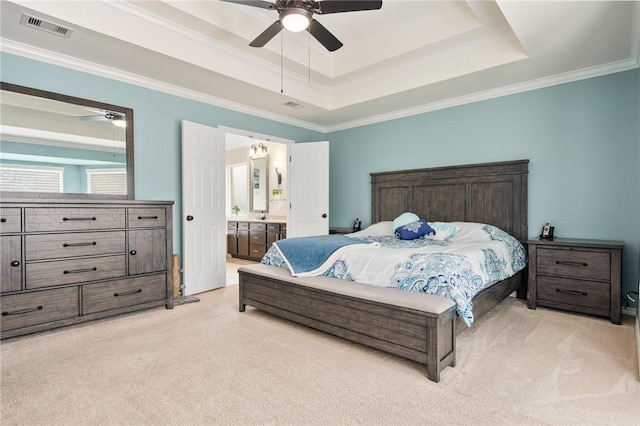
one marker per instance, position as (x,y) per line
(57,144)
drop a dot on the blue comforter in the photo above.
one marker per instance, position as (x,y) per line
(304,255)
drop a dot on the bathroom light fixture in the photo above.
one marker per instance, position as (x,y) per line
(259,149)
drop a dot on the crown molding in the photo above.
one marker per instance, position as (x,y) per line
(53,58)
(512,89)
(28,51)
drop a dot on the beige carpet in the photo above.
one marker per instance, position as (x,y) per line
(206,363)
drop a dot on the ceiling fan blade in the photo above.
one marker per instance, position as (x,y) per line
(338,6)
(254,3)
(267,35)
(323,35)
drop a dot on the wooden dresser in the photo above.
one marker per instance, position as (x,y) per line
(66,262)
(251,240)
(576,275)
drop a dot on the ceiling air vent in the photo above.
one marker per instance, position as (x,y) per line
(294,105)
(41,24)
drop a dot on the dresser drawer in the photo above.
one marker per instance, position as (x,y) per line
(10,220)
(59,272)
(110,295)
(54,246)
(574,263)
(243,226)
(39,307)
(146,217)
(232,225)
(73,219)
(563,291)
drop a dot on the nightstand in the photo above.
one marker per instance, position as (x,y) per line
(576,275)
(341,231)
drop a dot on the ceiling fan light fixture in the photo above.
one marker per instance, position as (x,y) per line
(295,19)
(119,122)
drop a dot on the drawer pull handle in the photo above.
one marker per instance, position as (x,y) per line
(80,271)
(572,292)
(23,311)
(133,252)
(15,263)
(93,243)
(78,218)
(128,293)
(559,262)
(148,217)
(3,220)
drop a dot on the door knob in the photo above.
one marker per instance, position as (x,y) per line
(324,215)
(189,218)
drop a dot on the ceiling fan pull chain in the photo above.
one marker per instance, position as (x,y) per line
(281,64)
(309,55)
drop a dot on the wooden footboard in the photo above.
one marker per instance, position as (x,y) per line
(419,328)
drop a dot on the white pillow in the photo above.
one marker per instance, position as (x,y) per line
(404,219)
(440,235)
(380,229)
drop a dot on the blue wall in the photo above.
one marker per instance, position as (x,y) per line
(582,140)
(157,123)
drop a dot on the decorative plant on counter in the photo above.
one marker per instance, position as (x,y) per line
(236,209)
(276,192)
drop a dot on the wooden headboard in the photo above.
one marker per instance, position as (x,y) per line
(493,193)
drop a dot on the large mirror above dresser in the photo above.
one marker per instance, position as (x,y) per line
(59,146)
(81,248)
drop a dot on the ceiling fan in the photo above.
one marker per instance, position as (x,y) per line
(117,119)
(297,15)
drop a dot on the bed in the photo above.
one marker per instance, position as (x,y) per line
(423,328)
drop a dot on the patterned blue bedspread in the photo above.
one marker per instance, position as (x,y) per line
(458,268)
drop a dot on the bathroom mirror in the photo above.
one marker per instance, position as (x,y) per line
(59,146)
(259,184)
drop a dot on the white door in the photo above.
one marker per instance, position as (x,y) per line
(204,226)
(308,189)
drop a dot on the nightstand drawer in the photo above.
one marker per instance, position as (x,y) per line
(574,263)
(562,291)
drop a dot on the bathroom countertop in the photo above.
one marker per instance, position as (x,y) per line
(248,218)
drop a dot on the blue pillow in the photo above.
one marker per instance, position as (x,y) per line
(414,230)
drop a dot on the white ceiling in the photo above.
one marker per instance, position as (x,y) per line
(409,57)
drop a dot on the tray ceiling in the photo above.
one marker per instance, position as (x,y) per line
(410,56)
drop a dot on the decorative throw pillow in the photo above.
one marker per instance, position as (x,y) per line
(404,218)
(445,227)
(414,230)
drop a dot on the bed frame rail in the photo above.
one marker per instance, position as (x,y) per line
(420,330)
